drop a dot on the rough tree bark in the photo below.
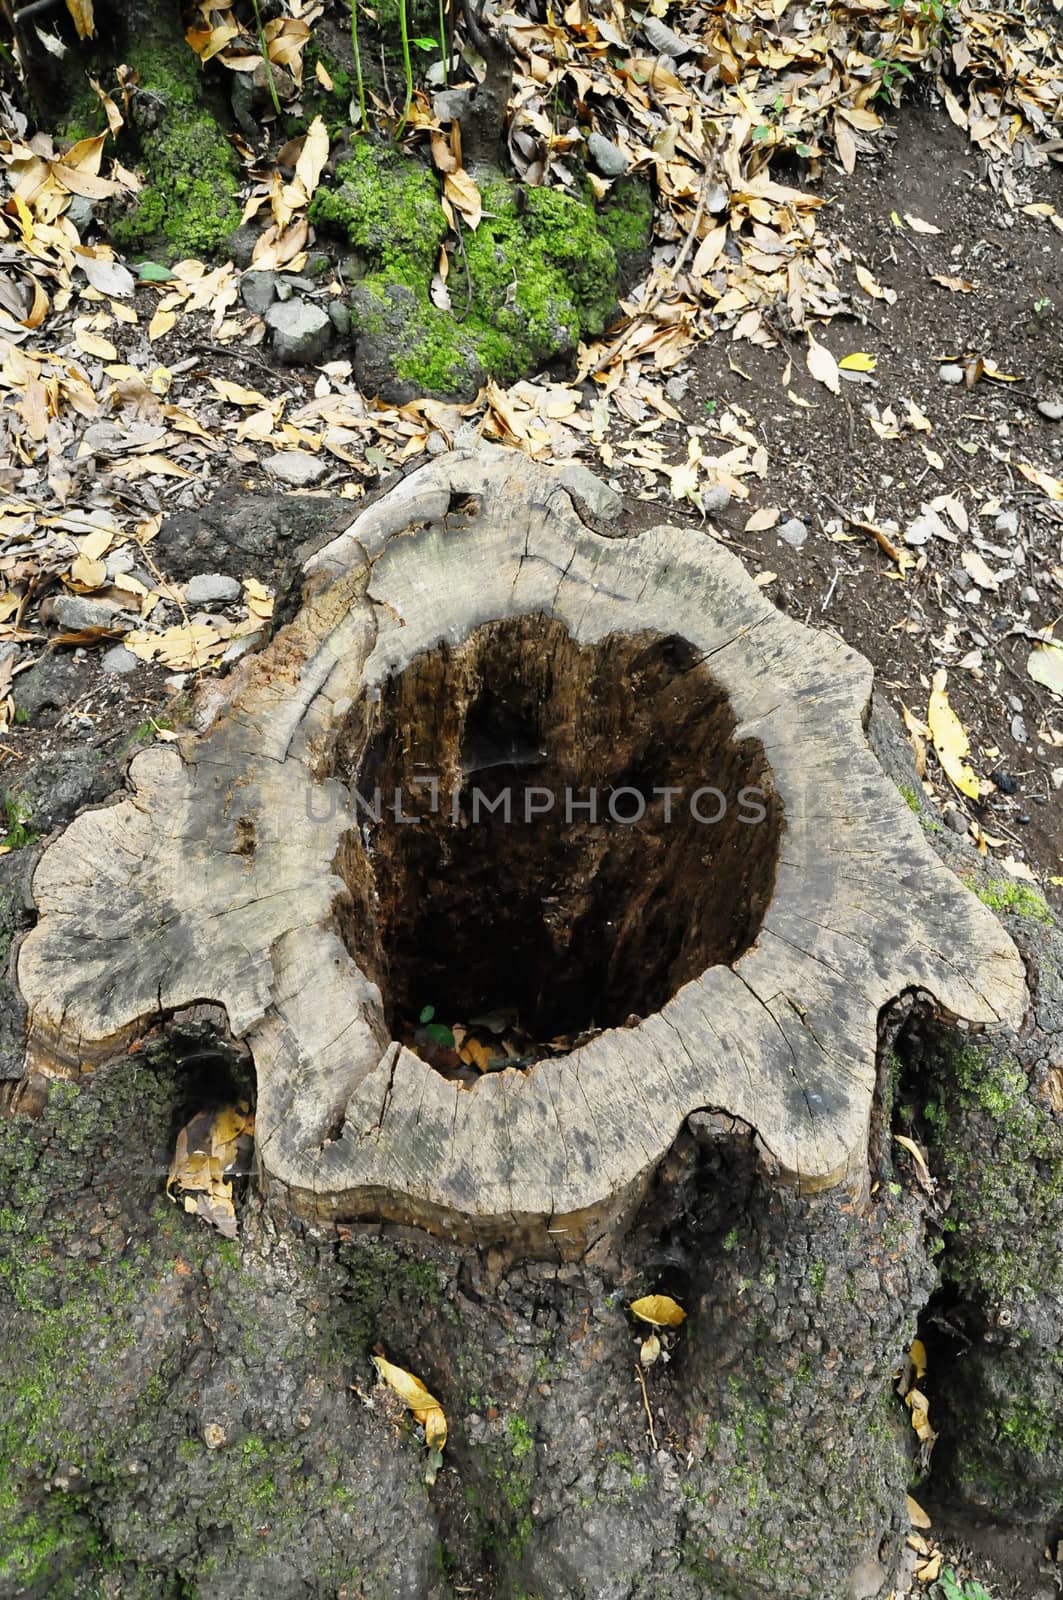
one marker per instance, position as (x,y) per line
(742,967)
(183,1414)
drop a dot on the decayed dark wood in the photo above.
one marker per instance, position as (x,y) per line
(233,873)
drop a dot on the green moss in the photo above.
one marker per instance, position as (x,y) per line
(909,796)
(541,272)
(626,218)
(188,204)
(1000,1155)
(17,813)
(1007,895)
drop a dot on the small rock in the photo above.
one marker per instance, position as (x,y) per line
(919,532)
(241,243)
(598,497)
(1007,523)
(676,388)
(607,157)
(258,290)
(867,1580)
(955,820)
(119,661)
(793,531)
(450,105)
(1014,703)
(950,373)
(715,497)
(75,612)
(1018,730)
(1005,781)
(297,467)
(1052,409)
(340,316)
(243,646)
(1030,596)
(299,284)
(211,589)
(301,332)
(82,213)
(437,445)
(718,199)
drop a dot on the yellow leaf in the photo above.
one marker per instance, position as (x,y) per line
(660,1310)
(312,157)
(990,371)
(915,1153)
(1052,487)
(94,345)
(916,418)
(858,361)
(870,285)
(413,1394)
(916,1515)
(88,574)
(763,519)
(84,21)
(462,192)
(160,324)
(950,739)
(1045,665)
(930,1570)
(822,365)
(917,1356)
(237,394)
(322,76)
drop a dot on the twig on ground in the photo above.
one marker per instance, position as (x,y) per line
(646,1404)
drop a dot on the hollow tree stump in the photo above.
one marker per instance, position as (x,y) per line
(470,628)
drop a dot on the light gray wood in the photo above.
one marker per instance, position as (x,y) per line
(213,879)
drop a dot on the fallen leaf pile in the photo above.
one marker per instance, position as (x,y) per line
(212,1149)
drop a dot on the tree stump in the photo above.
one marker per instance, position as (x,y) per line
(748,899)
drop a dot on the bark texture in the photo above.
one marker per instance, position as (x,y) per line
(471,608)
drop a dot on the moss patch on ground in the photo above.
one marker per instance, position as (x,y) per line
(188,205)
(542,272)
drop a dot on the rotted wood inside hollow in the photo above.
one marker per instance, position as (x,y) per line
(469,623)
(568,833)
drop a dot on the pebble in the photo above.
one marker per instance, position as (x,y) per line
(1018,730)
(450,105)
(75,612)
(1052,409)
(793,531)
(437,445)
(607,157)
(118,660)
(919,532)
(950,373)
(676,388)
(297,467)
(1007,523)
(258,290)
(715,497)
(81,212)
(955,820)
(211,589)
(301,332)
(1030,596)
(339,313)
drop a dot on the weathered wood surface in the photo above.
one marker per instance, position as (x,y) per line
(215,880)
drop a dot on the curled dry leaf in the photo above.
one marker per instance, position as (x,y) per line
(659,1310)
(413,1394)
(1045,665)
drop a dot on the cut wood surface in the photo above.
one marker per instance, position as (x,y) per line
(235,871)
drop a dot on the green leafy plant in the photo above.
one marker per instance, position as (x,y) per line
(18,835)
(949,1587)
(775,130)
(437,1032)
